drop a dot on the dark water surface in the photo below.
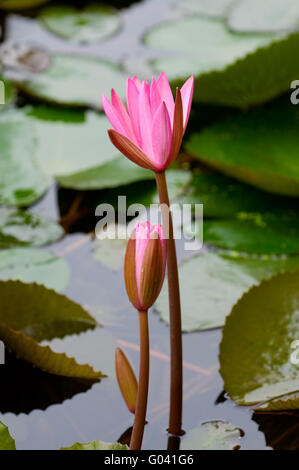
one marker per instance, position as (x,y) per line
(44,412)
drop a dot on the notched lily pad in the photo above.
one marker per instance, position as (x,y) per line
(20,4)
(212,283)
(91,23)
(216,8)
(97,445)
(255,352)
(213,435)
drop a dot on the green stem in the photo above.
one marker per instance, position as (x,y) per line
(140,413)
(176,354)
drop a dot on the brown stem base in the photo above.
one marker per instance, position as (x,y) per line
(140,413)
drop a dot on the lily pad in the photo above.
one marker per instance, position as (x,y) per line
(289,401)
(32,265)
(225,197)
(43,357)
(89,24)
(266,16)
(255,233)
(20,228)
(259,147)
(20,4)
(97,445)
(216,8)
(75,80)
(40,312)
(213,435)
(6,441)
(60,137)
(257,337)
(212,283)
(239,70)
(21,180)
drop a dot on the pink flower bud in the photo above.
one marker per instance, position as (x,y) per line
(126,380)
(150,130)
(145,263)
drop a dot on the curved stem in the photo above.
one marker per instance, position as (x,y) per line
(140,413)
(176,354)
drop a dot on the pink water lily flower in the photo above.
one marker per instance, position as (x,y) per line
(145,263)
(150,130)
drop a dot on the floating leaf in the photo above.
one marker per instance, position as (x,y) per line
(255,233)
(257,342)
(21,181)
(280,429)
(89,24)
(40,312)
(43,357)
(97,445)
(224,197)
(259,147)
(20,228)
(231,69)
(289,401)
(216,8)
(33,265)
(59,138)
(6,441)
(75,80)
(266,16)
(20,4)
(213,435)
(211,284)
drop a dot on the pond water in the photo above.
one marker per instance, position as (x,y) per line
(44,412)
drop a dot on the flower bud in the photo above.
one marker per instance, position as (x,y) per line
(126,380)
(145,263)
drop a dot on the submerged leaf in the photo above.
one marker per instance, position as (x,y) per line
(212,283)
(6,441)
(213,435)
(20,228)
(255,352)
(89,24)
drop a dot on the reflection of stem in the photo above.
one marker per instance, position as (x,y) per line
(140,413)
(176,355)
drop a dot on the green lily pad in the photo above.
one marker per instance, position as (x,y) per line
(254,233)
(257,342)
(213,435)
(20,4)
(259,147)
(225,197)
(239,70)
(266,16)
(212,283)
(33,265)
(20,228)
(216,8)
(43,357)
(59,138)
(41,313)
(89,24)
(75,80)
(289,401)
(6,441)
(97,445)
(21,180)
